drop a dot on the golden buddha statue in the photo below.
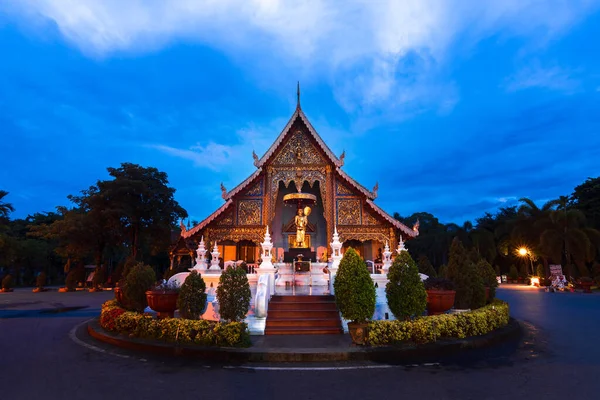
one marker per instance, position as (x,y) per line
(301,222)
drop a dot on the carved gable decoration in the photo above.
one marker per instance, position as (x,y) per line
(227,219)
(348,212)
(250,212)
(341,189)
(299,149)
(369,218)
(255,190)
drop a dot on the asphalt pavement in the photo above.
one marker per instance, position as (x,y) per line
(42,357)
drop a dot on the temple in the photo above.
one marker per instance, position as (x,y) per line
(297,173)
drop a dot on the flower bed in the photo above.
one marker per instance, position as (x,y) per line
(186,331)
(429,329)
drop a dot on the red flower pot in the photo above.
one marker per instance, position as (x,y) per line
(163,303)
(439,301)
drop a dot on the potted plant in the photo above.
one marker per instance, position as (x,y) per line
(355,295)
(586,283)
(440,295)
(513,274)
(40,281)
(7,284)
(139,280)
(163,299)
(404,291)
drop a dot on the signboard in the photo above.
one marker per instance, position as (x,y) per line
(555,270)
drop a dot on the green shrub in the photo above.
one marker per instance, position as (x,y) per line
(438,284)
(135,284)
(405,292)
(513,273)
(488,276)
(425,267)
(184,331)
(233,294)
(7,282)
(354,289)
(71,280)
(443,271)
(497,270)
(429,329)
(470,292)
(192,297)
(41,279)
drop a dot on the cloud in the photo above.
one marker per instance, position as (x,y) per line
(369,48)
(535,76)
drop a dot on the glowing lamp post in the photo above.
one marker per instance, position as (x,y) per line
(524,252)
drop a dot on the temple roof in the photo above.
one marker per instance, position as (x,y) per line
(299,114)
(260,163)
(208,220)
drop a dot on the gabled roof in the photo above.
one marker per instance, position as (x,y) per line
(208,220)
(299,114)
(242,185)
(355,184)
(397,224)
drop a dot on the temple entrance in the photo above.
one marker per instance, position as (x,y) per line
(284,227)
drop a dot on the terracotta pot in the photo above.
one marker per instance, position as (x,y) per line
(439,301)
(587,287)
(358,332)
(164,304)
(6,290)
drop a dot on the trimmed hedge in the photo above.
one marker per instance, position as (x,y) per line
(435,327)
(201,332)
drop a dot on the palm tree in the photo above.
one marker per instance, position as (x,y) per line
(565,237)
(5,208)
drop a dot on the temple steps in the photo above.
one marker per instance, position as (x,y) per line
(303,315)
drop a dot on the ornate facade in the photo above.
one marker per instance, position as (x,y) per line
(299,160)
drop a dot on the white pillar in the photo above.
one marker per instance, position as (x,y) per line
(214,262)
(401,247)
(387,259)
(336,257)
(266,267)
(201,258)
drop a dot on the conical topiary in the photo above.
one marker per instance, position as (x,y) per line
(470,292)
(233,294)
(405,292)
(191,301)
(354,288)
(488,276)
(443,272)
(458,257)
(425,267)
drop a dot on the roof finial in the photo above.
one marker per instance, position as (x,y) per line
(298,94)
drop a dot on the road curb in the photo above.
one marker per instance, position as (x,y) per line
(405,354)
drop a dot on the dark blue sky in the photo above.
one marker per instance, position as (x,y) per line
(456,108)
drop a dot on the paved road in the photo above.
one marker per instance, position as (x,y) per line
(559,358)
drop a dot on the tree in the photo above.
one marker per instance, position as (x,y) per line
(586,197)
(191,301)
(405,292)
(354,289)
(5,208)
(233,294)
(142,201)
(425,267)
(470,292)
(565,238)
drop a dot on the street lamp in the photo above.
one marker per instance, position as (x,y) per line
(523,251)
